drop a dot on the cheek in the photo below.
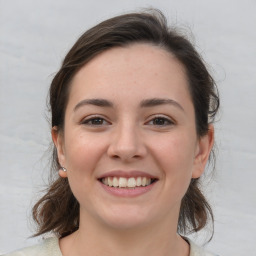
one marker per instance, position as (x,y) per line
(175,150)
(82,153)
(175,156)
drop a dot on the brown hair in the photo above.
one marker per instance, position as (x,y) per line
(58,209)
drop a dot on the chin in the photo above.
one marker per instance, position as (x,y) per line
(126,218)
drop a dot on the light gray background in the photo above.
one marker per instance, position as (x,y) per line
(34,37)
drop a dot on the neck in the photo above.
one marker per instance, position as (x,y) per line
(95,239)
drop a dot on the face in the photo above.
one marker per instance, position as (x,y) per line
(129,142)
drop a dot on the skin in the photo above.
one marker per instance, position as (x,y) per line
(159,140)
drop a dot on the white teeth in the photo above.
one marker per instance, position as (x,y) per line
(138,181)
(105,181)
(109,181)
(131,183)
(115,182)
(123,182)
(144,181)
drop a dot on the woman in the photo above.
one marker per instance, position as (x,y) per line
(132,110)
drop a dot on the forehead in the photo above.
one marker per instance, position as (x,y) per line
(140,55)
(138,69)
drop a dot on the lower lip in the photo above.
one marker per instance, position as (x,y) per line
(127,192)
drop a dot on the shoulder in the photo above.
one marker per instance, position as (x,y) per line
(49,247)
(195,250)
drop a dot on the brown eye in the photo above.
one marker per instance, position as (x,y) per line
(160,121)
(96,121)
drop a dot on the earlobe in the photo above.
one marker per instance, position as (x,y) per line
(57,138)
(205,145)
(63,172)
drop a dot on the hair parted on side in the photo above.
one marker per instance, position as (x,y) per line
(58,210)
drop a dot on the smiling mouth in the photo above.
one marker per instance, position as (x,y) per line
(130,183)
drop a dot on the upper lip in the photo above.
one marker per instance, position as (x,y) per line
(127,174)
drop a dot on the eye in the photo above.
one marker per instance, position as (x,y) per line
(95,121)
(160,121)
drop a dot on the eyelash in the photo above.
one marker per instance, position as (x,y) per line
(90,121)
(100,121)
(165,121)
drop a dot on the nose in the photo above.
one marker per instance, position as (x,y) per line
(126,143)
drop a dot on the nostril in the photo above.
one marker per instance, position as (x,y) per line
(125,157)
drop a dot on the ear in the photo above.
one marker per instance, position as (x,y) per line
(203,151)
(58,140)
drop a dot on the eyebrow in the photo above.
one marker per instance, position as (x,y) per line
(95,102)
(144,103)
(159,101)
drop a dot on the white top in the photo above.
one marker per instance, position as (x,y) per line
(50,247)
